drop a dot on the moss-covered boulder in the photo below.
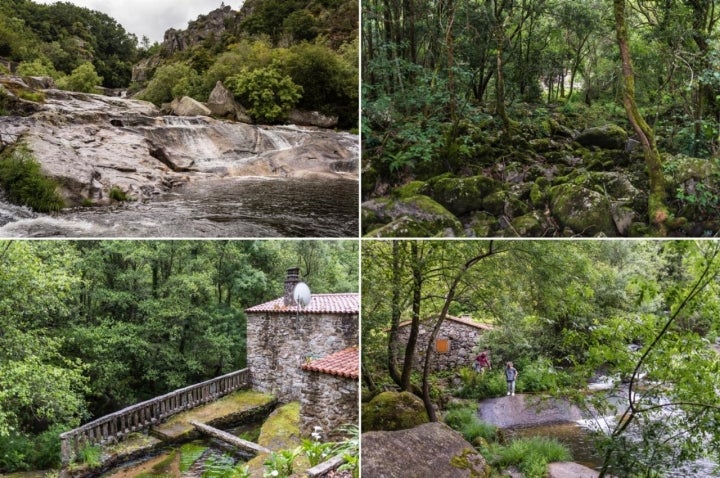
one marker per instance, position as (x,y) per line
(461,195)
(413,188)
(583,211)
(432,449)
(482,224)
(281,431)
(610,136)
(393,411)
(529,225)
(415,216)
(614,185)
(504,203)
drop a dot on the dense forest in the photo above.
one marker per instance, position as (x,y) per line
(89,327)
(300,54)
(644,313)
(540,117)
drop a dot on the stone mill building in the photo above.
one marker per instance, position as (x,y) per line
(454,346)
(307,354)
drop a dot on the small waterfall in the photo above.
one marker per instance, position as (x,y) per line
(276,139)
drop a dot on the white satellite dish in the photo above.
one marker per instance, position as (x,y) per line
(301,294)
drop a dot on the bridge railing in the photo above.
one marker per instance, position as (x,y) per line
(118,425)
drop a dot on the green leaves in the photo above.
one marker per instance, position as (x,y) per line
(268,95)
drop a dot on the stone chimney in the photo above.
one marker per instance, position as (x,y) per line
(293,277)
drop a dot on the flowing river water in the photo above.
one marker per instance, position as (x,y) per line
(228,207)
(578,434)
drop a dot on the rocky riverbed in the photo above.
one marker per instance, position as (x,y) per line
(97,148)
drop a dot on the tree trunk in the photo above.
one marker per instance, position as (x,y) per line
(394,315)
(657,207)
(416,266)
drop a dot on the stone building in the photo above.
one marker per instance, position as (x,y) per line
(282,337)
(329,396)
(454,345)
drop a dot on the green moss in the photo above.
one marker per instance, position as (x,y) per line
(527,225)
(467,460)
(164,466)
(408,190)
(24,182)
(280,431)
(460,196)
(189,454)
(393,411)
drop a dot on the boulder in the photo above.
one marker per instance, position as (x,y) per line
(609,136)
(461,195)
(421,217)
(432,449)
(221,101)
(393,411)
(570,470)
(190,107)
(39,82)
(527,410)
(583,211)
(312,118)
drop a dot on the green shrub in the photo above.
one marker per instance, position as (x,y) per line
(24,183)
(83,79)
(267,94)
(478,385)
(169,81)
(37,67)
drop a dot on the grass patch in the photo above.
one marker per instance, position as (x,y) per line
(34,96)
(24,183)
(118,194)
(532,455)
(464,419)
(90,455)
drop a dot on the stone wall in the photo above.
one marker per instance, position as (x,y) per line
(328,401)
(463,339)
(279,344)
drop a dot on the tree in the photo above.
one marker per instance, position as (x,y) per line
(268,94)
(83,79)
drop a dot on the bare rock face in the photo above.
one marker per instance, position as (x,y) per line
(221,101)
(207,26)
(312,118)
(91,144)
(570,470)
(432,449)
(142,71)
(187,106)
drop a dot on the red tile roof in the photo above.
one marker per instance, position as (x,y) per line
(319,304)
(345,363)
(461,320)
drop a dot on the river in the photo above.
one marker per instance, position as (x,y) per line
(227,207)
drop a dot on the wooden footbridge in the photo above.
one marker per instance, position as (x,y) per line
(136,418)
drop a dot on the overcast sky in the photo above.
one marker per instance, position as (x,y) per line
(152,17)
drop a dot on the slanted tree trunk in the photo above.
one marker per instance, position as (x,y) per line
(418,278)
(657,202)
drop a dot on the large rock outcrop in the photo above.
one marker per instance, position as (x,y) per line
(432,449)
(187,106)
(210,26)
(91,144)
